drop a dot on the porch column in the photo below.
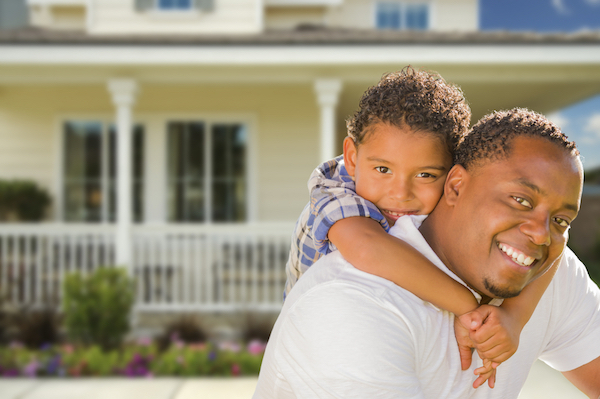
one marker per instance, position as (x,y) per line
(328,92)
(123,95)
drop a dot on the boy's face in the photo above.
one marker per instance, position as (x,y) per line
(398,170)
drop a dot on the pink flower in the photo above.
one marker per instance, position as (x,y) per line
(235,369)
(256,347)
(230,346)
(144,341)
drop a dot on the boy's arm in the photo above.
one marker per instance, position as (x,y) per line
(369,248)
(498,337)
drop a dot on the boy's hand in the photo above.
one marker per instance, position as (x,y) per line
(487,372)
(465,347)
(497,337)
(463,339)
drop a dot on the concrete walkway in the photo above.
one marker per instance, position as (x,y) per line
(543,383)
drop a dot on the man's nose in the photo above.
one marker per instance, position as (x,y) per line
(537,228)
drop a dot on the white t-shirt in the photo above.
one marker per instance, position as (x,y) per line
(343,333)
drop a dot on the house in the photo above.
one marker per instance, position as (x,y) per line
(176,136)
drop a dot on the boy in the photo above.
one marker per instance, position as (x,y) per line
(399,148)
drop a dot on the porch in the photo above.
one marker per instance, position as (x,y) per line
(176,267)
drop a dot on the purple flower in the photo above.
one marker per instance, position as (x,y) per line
(212,355)
(53,365)
(31,369)
(10,372)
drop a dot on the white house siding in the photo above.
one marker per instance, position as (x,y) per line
(228,16)
(283,122)
(28,127)
(292,17)
(455,15)
(70,17)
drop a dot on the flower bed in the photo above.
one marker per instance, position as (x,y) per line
(140,359)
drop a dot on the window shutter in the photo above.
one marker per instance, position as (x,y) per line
(204,5)
(143,5)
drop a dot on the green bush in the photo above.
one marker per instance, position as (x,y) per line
(22,199)
(97,306)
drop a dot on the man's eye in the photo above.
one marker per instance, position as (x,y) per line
(562,222)
(522,201)
(382,169)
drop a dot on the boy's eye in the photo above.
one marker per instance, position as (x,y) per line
(382,169)
(562,222)
(522,201)
(426,175)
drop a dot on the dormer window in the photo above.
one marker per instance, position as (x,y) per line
(402,15)
(186,6)
(174,4)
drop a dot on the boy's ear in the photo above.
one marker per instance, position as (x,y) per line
(350,154)
(455,182)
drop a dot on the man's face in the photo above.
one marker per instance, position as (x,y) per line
(511,217)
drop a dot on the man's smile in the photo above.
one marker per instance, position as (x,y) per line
(517,256)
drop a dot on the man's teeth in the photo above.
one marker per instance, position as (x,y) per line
(517,257)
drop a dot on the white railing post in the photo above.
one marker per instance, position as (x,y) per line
(328,92)
(123,95)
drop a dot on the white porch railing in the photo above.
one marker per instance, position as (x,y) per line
(176,267)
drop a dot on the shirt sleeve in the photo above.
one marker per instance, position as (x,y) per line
(577,323)
(333,197)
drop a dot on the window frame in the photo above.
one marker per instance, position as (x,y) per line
(60,171)
(247,122)
(403,5)
(157,7)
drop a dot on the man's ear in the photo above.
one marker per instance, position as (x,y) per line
(455,182)
(350,154)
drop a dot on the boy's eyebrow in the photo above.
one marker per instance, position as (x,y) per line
(537,189)
(381,160)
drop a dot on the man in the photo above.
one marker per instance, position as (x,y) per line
(515,188)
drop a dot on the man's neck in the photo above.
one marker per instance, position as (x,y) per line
(431,229)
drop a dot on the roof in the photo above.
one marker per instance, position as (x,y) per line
(307,35)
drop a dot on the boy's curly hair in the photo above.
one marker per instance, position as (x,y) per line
(420,100)
(491,137)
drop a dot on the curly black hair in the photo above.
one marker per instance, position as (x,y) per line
(421,100)
(491,137)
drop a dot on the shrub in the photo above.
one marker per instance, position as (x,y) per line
(22,199)
(37,327)
(133,360)
(97,307)
(185,329)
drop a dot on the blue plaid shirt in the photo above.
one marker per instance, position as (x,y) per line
(332,197)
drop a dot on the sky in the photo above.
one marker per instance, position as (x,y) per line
(581,121)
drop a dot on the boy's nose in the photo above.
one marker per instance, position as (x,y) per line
(401,191)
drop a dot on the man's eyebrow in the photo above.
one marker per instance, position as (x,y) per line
(537,189)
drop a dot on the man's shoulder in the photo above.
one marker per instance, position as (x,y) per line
(334,279)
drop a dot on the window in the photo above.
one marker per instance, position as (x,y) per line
(174,4)
(397,16)
(90,169)
(207,165)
